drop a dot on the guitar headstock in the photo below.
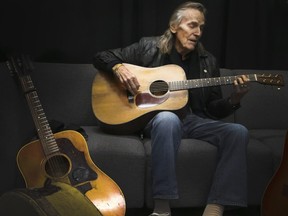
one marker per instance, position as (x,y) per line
(20,65)
(271,79)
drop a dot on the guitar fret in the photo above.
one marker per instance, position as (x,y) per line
(38,108)
(195,82)
(221,80)
(44,128)
(181,84)
(217,81)
(186,84)
(50,139)
(27,84)
(53,150)
(178,84)
(201,82)
(44,121)
(41,118)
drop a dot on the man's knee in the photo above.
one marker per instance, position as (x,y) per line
(167,119)
(238,129)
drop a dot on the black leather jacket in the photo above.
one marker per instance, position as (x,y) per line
(146,53)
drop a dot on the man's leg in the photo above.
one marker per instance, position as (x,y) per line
(229,186)
(165,130)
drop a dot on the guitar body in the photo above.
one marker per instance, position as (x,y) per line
(62,157)
(275,198)
(116,109)
(77,170)
(161,88)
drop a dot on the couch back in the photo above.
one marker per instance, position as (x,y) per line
(65,93)
(264,106)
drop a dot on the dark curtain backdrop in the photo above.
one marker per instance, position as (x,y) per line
(251,34)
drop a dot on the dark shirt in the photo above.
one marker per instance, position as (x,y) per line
(191,66)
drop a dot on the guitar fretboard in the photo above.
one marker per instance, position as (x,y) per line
(42,126)
(206,82)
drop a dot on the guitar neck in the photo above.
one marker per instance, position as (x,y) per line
(206,82)
(44,131)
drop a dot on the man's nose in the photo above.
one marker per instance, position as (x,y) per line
(197,31)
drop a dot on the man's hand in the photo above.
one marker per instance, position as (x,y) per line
(127,78)
(240,89)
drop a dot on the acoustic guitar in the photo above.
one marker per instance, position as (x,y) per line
(161,88)
(275,197)
(61,157)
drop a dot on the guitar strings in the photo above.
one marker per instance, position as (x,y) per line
(46,137)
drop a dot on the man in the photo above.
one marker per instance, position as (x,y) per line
(180,45)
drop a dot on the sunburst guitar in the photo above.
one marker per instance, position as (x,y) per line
(161,88)
(62,157)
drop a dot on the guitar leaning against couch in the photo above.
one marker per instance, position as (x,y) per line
(61,157)
(275,197)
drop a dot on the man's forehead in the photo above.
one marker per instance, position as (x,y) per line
(193,15)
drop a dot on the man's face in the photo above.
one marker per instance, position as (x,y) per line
(188,31)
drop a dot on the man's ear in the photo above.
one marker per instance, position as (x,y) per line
(173,29)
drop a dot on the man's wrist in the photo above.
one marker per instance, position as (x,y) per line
(234,106)
(116,67)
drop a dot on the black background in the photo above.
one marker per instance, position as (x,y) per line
(248,34)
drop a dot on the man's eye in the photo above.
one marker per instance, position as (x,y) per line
(191,25)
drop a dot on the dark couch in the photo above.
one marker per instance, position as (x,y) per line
(65,93)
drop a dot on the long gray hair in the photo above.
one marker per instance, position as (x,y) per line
(167,39)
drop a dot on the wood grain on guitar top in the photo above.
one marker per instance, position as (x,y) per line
(101,190)
(113,105)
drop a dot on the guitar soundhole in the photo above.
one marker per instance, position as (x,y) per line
(58,166)
(159,88)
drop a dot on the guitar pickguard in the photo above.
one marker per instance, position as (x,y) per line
(145,100)
(80,171)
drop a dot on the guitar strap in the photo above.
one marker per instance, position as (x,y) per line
(57,126)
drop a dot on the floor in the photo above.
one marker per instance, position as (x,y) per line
(250,211)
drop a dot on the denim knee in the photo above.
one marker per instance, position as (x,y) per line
(238,130)
(168,121)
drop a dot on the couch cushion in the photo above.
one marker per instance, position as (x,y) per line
(260,170)
(272,139)
(196,163)
(123,159)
